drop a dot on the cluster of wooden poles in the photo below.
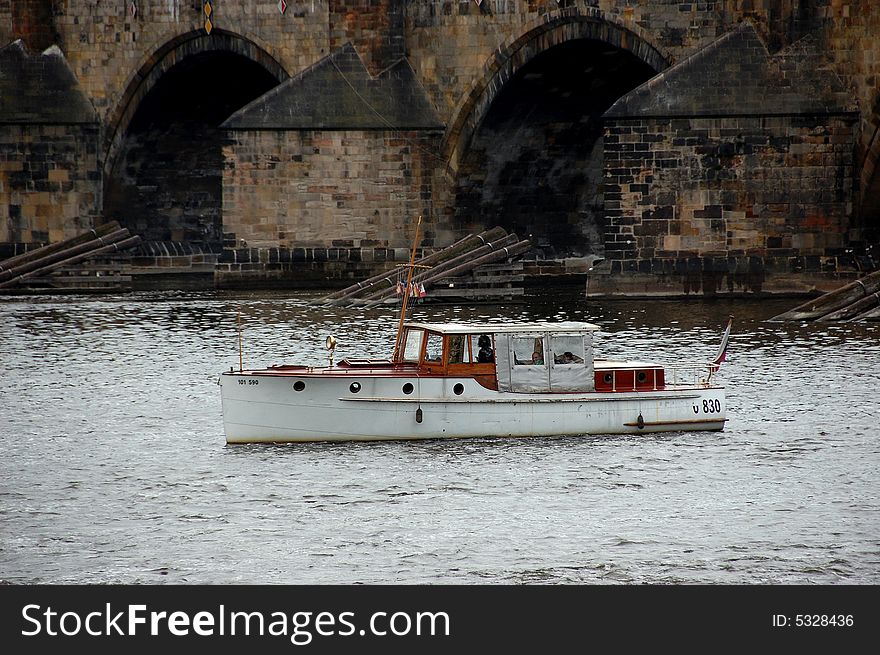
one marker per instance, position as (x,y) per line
(856,301)
(106,238)
(475,250)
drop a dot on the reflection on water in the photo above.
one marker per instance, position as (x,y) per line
(115,468)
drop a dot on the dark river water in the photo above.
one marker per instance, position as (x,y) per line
(115,469)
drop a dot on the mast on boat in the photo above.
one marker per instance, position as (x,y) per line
(398,345)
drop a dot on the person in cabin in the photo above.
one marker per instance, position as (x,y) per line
(538,357)
(485,354)
(569,358)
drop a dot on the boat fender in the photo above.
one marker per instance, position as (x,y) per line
(419,415)
(640,421)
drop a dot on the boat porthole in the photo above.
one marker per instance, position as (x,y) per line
(642,376)
(407,388)
(458,389)
(355,387)
(607,378)
(299,385)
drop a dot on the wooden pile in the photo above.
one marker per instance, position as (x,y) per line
(489,283)
(479,267)
(856,301)
(87,262)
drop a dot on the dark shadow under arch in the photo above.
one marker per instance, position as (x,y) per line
(869,205)
(165,58)
(163,170)
(529,154)
(556,29)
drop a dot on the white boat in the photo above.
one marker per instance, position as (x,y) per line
(450,380)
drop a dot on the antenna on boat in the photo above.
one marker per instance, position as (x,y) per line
(331,346)
(409,275)
(240,359)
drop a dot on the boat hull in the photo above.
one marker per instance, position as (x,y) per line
(270,408)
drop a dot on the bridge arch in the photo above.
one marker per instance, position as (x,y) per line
(157,64)
(163,161)
(524,150)
(540,35)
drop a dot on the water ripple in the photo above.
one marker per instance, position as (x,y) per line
(115,470)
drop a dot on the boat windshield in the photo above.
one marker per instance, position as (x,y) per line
(412,347)
(434,349)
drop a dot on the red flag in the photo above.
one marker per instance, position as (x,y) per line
(722,349)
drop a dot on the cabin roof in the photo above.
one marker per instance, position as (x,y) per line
(475,328)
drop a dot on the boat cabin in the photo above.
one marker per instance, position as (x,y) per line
(526,357)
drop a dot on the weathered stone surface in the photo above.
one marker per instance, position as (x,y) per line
(29,20)
(735,76)
(50,188)
(338,93)
(696,175)
(306,189)
(463,55)
(40,89)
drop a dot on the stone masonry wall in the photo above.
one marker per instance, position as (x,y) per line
(451,45)
(106,46)
(374,27)
(294,198)
(851,40)
(721,202)
(6,30)
(32,23)
(49,180)
(450,42)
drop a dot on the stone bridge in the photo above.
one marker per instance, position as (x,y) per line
(694,146)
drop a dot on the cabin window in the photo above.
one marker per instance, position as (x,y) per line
(567,349)
(412,347)
(528,351)
(434,351)
(458,352)
(486,352)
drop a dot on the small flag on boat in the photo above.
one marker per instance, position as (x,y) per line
(722,349)
(399,289)
(422,292)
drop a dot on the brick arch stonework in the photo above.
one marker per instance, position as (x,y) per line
(160,62)
(554,29)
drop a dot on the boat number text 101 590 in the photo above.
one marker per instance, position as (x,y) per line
(249,382)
